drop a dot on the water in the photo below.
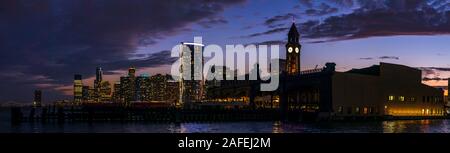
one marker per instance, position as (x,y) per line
(400,126)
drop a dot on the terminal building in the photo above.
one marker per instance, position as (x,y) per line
(380,90)
(385,89)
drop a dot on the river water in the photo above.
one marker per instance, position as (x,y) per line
(398,126)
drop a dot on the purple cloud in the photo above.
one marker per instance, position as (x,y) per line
(56,39)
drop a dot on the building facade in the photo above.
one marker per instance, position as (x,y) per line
(385,89)
(191,80)
(117,93)
(85,93)
(379,90)
(97,84)
(143,88)
(77,89)
(105,91)
(37,101)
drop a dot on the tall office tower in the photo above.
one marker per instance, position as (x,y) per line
(192,80)
(124,86)
(77,89)
(37,102)
(293,52)
(131,72)
(85,93)
(98,74)
(171,90)
(97,84)
(143,87)
(92,95)
(117,94)
(158,87)
(132,84)
(105,91)
(128,86)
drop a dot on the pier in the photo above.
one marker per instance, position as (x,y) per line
(148,114)
(118,113)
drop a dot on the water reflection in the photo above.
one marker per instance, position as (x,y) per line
(400,126)
(416,126)
(277,127)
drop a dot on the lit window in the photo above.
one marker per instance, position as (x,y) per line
(365,110)
(413,99)
(391,98)
(340,109)
(357,110)
(401,98)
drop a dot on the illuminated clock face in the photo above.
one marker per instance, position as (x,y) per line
(290,50)
(297,50)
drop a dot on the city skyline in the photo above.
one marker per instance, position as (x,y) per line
(66,41)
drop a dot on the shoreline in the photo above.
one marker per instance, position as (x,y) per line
(169,115)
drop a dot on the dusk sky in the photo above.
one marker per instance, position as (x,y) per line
(43,43)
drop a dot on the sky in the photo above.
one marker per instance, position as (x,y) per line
(44,43)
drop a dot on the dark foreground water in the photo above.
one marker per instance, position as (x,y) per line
(400,126)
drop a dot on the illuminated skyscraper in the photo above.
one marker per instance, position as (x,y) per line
(192,81)
(97,84)
(158,87)
(92,95)
(143,87)
(117,94)
(77,89)
(171,90)
(105,91)
(128,86)
(132,72)
(85,93)
(98,74)
(37,102)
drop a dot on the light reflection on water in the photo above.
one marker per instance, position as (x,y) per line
(416,126)
(397,126)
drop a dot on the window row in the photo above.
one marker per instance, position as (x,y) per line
(357,110)
(436,99)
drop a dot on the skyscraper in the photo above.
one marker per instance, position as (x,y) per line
(132,72)
(192,81)
(158,87)
(92,95)
(77,89)
(117,94)
(448,90)
(98,74)
(37,102)
(105,91)
(143,88)
(128,86)
(85,93)
(97,84)
(171,90)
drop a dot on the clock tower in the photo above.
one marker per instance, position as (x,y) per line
(293,52)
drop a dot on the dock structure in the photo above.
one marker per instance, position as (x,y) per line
(150,114)
(58,114)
